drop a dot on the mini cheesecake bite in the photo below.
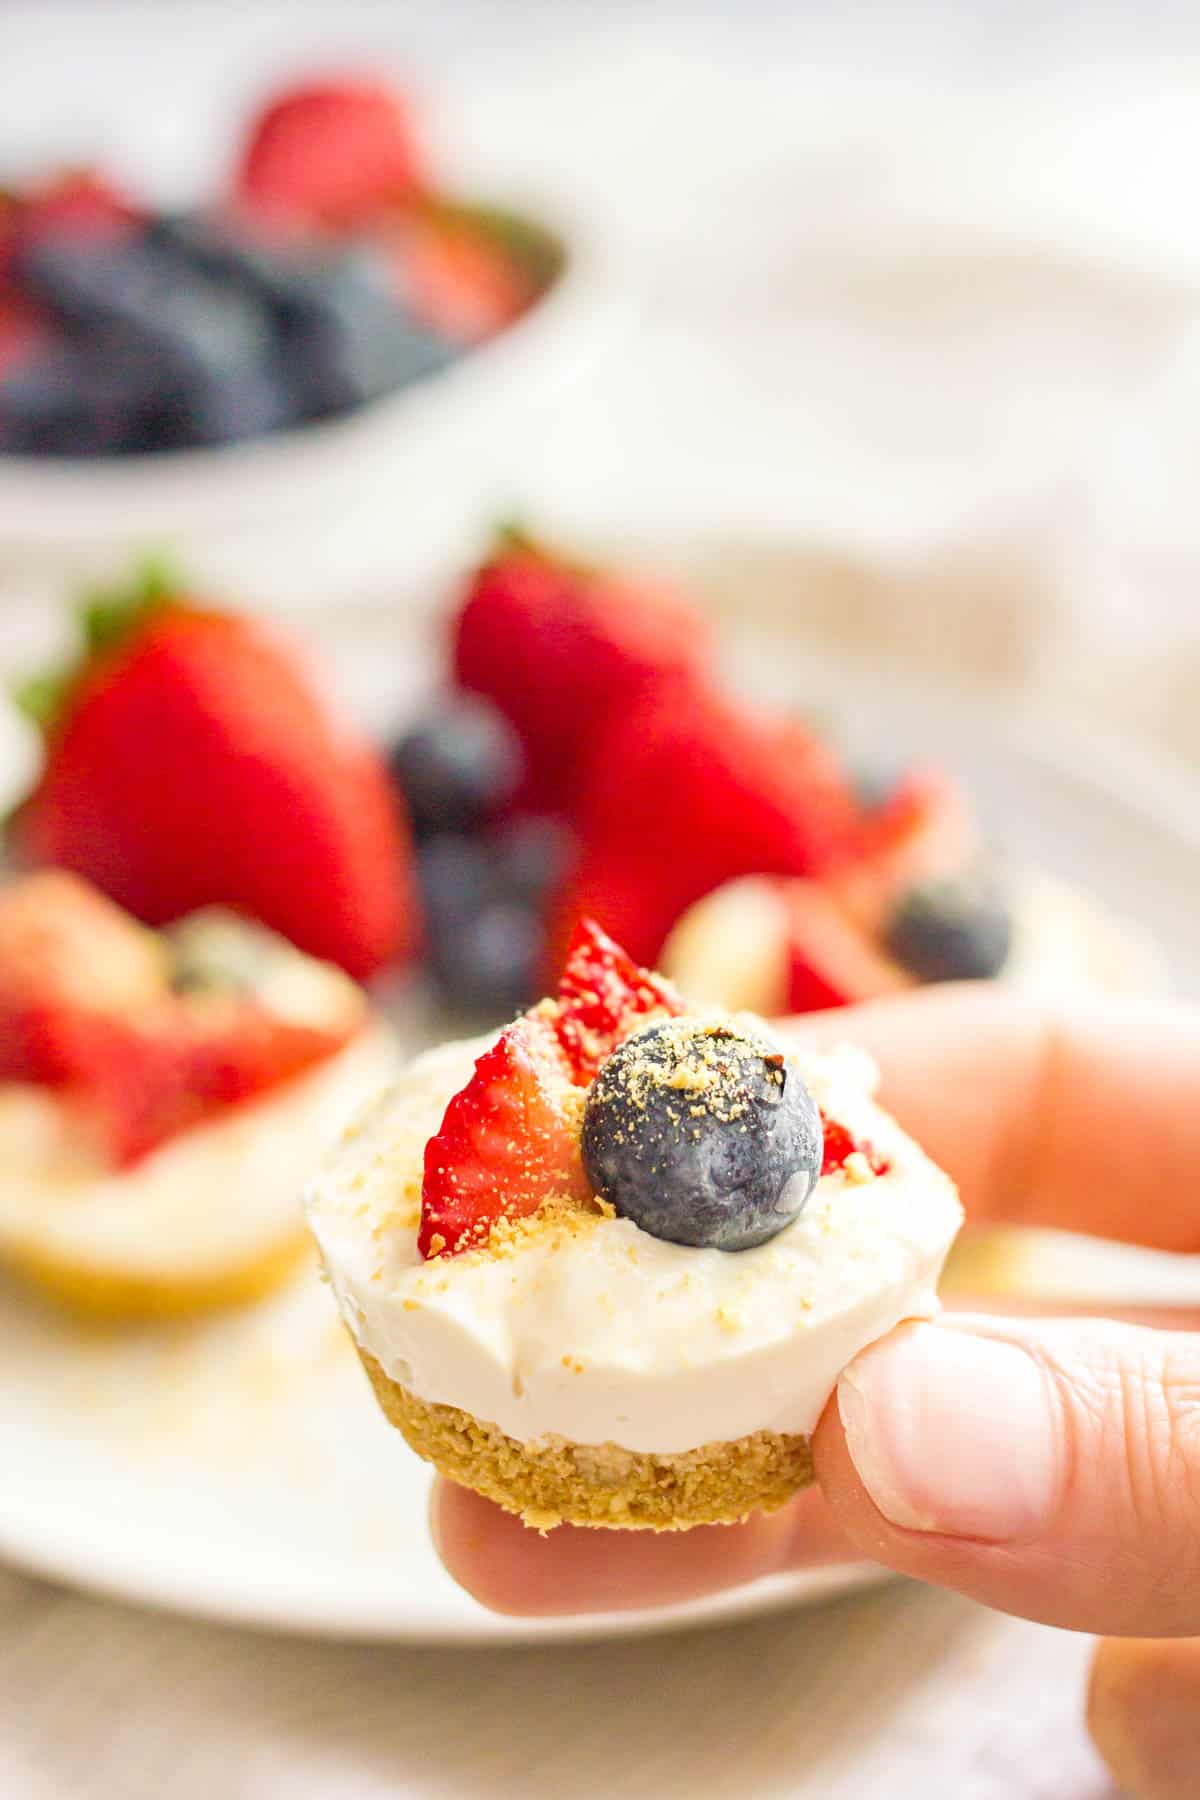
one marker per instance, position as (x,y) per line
(162,1096)
(606,1266)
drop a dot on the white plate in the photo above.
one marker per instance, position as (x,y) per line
(240,1470)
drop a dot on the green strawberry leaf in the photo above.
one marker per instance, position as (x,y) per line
(513,534)
(41,697)
(107,616)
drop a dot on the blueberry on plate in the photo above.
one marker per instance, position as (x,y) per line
(533,855)
(457,766)
(457,879)
(485,944)
(493,966)
(702,1134)
(956,929)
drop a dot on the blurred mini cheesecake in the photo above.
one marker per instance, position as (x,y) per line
(606,1266)
(920,901)
(162,1096)
(781,946)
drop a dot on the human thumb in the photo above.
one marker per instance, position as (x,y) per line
(1050,1469)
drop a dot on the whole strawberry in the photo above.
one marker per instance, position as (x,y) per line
(562,648)
(687,791)
(191,760)
(330,154)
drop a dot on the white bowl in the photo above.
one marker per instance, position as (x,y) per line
(300,516)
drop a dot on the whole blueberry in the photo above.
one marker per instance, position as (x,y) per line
(457,765)
(533,854)
(342,332)
(457,879)
(493,970)
(213,406)
(76,400)
(702,1134)
(956,929)
(346,333)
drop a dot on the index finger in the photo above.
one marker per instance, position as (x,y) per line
(1085,1118)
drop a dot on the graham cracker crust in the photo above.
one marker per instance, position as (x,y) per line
(554,1482)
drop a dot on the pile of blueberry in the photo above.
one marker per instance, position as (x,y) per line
(184,331)
(484,869)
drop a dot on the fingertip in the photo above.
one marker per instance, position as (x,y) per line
(519,1572)
(483,1549)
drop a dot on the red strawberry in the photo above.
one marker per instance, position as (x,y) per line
(508,1142)
(922,831)
(80,202)
(775,945)
(192,760)
(699,781)
(561,649)
(841,1144)
(21,329)
(635,904)
(458,277)
(66,955)
(603,997)
(830,961)
(330,153)
(688,791)
(148,1079)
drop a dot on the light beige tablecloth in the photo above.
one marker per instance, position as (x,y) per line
(901,1692)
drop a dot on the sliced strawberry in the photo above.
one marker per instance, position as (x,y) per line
(330,153)
(772,945)
(561,649)
(603,997)
(924,830)
(86,1004)
(509,1142)
(830,961)
(841,1144)
(150,1079)
(60,939)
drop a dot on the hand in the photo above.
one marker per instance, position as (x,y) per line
(1047,1467)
